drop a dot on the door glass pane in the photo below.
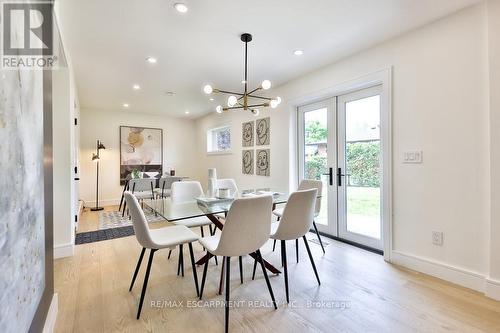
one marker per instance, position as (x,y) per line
(363,166)
(315,154)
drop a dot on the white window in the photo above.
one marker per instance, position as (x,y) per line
(219,140)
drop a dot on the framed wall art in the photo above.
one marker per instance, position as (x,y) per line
(141,149)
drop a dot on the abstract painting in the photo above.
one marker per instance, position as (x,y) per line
(22,221)
(141,149)
(263,129)
(263,163)
(247,162)
(247,137)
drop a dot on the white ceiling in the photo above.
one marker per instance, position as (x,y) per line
(108,41)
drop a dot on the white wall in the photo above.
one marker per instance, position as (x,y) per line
(179,149)
(493,286)
(439,106)
(64,98)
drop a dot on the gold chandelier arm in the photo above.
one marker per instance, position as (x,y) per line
(258,105)
(228,92)
(232,108)
(260,97)
(256,89)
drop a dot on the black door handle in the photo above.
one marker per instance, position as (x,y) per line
(330,176)
(77,178)
(339,176)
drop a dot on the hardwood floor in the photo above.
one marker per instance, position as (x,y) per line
(359,293)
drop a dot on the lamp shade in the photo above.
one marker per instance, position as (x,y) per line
(95,158)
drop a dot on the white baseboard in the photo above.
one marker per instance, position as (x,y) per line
(50,321)
(457,275)
(102,203)
(492,288)
(64,250)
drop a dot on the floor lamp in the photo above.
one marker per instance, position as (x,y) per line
(96,158)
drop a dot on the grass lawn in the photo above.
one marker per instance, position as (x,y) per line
(363,201)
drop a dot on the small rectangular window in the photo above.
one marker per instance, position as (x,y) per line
(219,140)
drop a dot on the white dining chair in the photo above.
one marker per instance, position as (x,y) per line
(229,184)
(246,229)
(156,239)
(165,186)
(305,185)
(186,191)
(141,188)
(295,222)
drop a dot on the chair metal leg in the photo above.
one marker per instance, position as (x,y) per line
(282,256)
(202,235)
(254,268)
(274,245)
(124,207)
(311,259)
(137,268)
(216,262)
(193,266)
(180,264)
(145,284)
(169,253)
(221,281)
(283,251)
(228,271)
(266,277)
(181,252)
(205,267)
(319,237)
(241,269)
(297,249)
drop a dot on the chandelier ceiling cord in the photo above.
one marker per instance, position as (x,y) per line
(243,99)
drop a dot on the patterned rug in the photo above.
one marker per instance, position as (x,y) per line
(114,219)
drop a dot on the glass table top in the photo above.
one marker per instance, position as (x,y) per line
(189,209)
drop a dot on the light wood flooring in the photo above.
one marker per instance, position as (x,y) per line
(359,293)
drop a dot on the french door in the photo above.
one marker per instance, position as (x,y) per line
(340,144)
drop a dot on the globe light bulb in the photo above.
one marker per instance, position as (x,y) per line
(231,101)
(256,112)
(274,103)
(278,99)
(266,84)
(208,89)
(218,109)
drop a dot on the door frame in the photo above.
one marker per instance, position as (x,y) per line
(382,77)
(331,105)
(343,231)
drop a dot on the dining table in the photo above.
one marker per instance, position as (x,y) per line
(214,209)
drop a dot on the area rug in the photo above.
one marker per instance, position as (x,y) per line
(113,219)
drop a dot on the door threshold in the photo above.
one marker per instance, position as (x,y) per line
(361,246)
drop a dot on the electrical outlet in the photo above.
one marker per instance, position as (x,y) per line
(437,238)
(415,157)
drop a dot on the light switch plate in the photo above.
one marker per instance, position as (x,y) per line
(413,157)
(437,238)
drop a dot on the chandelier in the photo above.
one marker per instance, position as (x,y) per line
(246,100)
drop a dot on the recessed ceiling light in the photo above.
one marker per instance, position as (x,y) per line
(152,60)
(298,52)
(187,112)
(169,93)
(212,99)
(126,105)
(181,7)
(136,87)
